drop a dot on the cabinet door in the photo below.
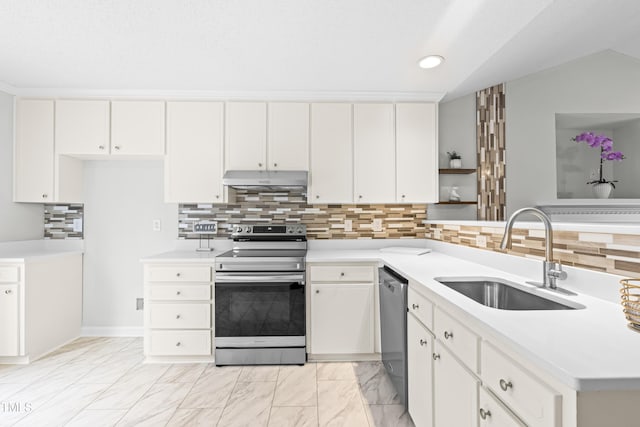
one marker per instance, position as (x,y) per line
(419,372)
(455,391)
(9,321)
(193,164)
(416,153)
(342,318)
(82,127)
(33,172)
(288,141)
(137,128)
(246,136)
(331,172)
(374,153)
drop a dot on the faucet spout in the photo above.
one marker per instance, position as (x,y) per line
(551,270)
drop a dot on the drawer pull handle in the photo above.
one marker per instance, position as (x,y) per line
(484,414)
(504,385)
(178,274)
(178,292)
(423,342)
(117,147)
(342,274)
(8,292)
(178,344)
(415,306)
(435,356)
(317,291)
(100,147)
(448,335)
(177,316)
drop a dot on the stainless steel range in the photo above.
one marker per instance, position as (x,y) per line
(260,296)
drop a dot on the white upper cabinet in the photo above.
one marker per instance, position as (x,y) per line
(416,153)
(193,164)
(137,128)
(246,136)
(82,127)
(288,136)
(331,172)
(34,161)
(374,153)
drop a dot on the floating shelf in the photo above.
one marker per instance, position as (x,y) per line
(456,171)
(464,202)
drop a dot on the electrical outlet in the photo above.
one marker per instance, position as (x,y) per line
(437,234)
(77,225)
(348,225)
(481,241)
(377,224)
(139,304)
(157,225)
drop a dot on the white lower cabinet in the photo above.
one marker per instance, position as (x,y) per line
(493,413)
(178,312)
(420,380)
(455,390)
(341,318)
(9,320)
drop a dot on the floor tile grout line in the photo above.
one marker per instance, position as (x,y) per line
(274,395)
(235,384)
(185,396)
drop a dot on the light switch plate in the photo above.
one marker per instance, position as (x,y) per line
(481,241)
(157,225)
(377,224)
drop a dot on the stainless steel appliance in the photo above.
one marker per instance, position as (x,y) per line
(393,328)
(260,296)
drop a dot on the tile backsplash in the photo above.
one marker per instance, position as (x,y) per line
(64,221)
(607,252)
(323,221)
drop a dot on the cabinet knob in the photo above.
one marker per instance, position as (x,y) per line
(403,196)
(8,292)
(117,147)
(360,196)
(317,291)
(44,196)
(435,356)
(505,385)
(423,342)
(178,344)
(448,335)
(415,306)
(178,292)
(177,316)
(342,274)
(100,147)
(177,274)
(259,165)
(484,414)
(317,196)
(275,165)
(217,196)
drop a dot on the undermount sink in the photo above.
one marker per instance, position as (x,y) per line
(504,295)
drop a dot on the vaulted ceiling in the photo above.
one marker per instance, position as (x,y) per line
(299,46)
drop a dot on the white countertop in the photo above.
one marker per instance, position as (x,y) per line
(22,251)
(586,349)
(186,256)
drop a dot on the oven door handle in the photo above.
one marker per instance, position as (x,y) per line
(281,278)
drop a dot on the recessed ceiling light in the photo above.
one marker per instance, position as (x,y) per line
(430,61)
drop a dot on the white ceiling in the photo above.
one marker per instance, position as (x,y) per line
(299,46)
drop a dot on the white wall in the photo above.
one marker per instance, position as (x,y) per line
(607,82)
(122,197)
(627,172)
(18,221)
(457,131)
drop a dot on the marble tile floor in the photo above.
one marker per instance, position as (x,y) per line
(102,382)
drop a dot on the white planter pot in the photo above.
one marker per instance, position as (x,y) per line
(602,190)
(455,163)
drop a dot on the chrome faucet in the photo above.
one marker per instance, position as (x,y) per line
(552,271)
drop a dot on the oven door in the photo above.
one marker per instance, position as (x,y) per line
(259,310)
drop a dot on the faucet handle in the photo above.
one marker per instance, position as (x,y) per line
(556,271)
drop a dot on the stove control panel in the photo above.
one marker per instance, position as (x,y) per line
(269,230)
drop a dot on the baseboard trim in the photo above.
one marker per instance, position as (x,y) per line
(112,331)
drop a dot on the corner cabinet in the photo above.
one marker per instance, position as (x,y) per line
(179,322)
(193,167)
(341,314)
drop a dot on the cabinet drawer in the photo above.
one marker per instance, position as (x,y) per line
(180,343)
(533,401)
(421,307)
(342,273)
(177,273)
(9,274)
(493,413)
(458,338)
(180,316)
(179,292)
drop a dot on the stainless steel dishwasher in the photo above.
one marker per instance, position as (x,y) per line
(393,328)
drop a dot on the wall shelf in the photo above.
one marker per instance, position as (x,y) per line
(448,171)
(463,202)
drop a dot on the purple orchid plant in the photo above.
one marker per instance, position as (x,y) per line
(606,152)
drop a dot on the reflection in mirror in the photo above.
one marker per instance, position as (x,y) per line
(578,164)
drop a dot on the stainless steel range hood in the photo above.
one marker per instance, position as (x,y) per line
(266,180)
